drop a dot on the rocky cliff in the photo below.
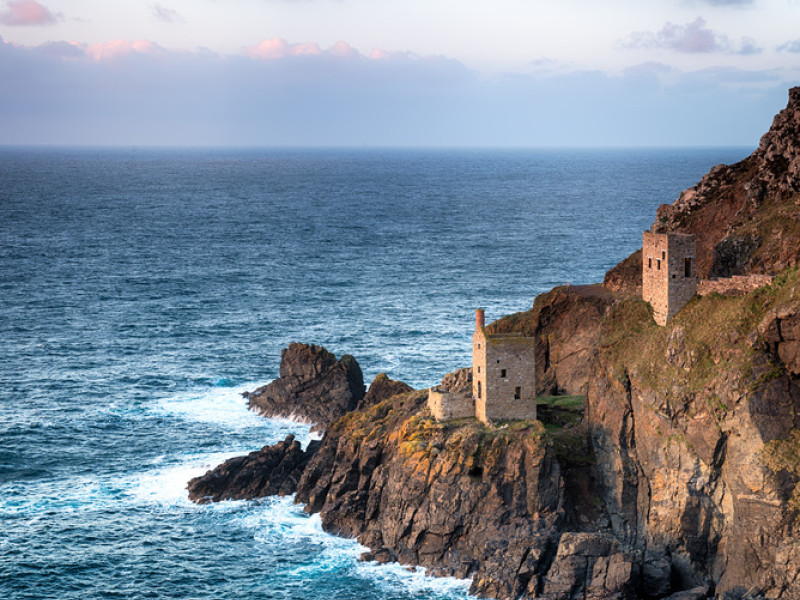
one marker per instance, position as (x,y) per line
(679,482)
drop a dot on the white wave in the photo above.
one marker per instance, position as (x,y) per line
(395,579)
(227,408)
(224,405)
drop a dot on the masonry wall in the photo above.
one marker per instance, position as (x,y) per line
(666,285)
(445,406)
(479,372)
(509,373)
(738,285)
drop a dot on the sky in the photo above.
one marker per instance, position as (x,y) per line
(450,73)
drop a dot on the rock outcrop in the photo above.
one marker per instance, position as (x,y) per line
(382,388)
(313,386)
(273,470)
(455,496)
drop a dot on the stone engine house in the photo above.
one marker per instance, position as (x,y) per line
(669,280)
(503,374)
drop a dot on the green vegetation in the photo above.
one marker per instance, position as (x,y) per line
(572,403)
(708,337)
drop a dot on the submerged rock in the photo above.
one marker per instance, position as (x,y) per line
(313,386)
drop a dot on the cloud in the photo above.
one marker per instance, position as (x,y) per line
(28,13)
(691,38)
(278,93)
(791,46)
(279,48)
(167,15)
(118,48)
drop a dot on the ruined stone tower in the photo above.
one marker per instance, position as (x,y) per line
(503,374)
(668,272)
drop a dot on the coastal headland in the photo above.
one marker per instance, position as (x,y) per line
(665,461)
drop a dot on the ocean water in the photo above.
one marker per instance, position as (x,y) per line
(141,291)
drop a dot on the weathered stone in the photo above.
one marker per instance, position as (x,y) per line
(382,388)
(313,386)
(273,470)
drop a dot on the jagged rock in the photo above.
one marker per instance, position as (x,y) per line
(590,566)
(381,389)
(273,470)
(457,498)
(313,386)
(459,381)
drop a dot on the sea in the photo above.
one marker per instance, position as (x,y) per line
(143,290)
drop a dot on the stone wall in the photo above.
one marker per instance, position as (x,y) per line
(510,379)
(445,405)
(738,285)
(669,277)
(479,371)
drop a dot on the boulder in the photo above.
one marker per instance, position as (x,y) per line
(313,386)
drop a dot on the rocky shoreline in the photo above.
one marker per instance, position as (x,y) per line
(678,480)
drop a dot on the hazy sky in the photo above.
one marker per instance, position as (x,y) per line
(392,72)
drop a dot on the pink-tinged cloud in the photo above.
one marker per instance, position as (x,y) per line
(277,48)
(117,48)
(280,48)
(28,13)
(691,38)
(343,50)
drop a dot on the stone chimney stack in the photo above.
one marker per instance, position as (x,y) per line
(480,319)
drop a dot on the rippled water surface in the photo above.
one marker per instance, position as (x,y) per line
(141,291)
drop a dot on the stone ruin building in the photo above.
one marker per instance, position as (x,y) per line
(669,280)
(503,380)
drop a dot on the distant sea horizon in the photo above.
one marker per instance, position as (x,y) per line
(143,289)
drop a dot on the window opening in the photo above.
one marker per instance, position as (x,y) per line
(649,263)
(517,393)
(479,389)
(503,373)
(663,255)
(687,267)
(658,265)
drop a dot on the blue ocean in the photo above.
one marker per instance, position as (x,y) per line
(143,290)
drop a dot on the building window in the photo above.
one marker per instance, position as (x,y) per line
(479,389)
(663,255)
(517,393)
(687,267)
(649,263)
(479,345)
(658,265)
(479,369)
(503,373)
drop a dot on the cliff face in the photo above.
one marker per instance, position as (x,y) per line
(462,499)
